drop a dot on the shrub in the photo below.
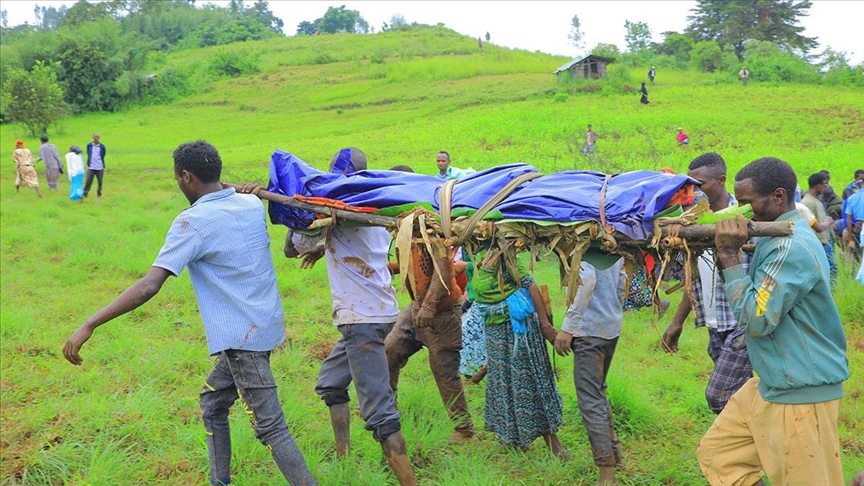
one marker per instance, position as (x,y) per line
(707,56)
(230,63)
(766,62)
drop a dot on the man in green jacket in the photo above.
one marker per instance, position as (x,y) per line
(785,420)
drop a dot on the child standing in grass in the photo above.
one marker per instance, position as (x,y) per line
(223,240)
(594,319)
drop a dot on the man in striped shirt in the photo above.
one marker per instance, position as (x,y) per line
(223,240)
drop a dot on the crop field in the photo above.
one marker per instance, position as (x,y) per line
(129,414)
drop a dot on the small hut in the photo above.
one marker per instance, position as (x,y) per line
(591,67)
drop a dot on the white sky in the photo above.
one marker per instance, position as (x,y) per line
(540,25)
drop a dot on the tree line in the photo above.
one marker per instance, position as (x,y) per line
(93,57)
(723,35)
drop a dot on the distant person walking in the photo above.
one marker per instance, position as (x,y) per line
(75,171)
(644,92)
(95,164)
(488,37)
(25,173)
(743,74)
(682,138)
(590,140)
(53,166)
(651,73)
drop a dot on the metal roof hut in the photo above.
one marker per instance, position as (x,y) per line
(591,67)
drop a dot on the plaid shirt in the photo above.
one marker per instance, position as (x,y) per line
(725,318)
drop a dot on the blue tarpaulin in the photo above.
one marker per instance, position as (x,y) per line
(632,198)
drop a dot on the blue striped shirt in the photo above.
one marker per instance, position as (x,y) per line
(223,240)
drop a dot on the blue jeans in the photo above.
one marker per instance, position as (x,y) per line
(829,252)
(592,358)
(359,356)
(247,375)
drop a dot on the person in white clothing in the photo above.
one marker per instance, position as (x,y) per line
(75,172)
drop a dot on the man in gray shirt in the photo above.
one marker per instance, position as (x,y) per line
(594,320)
(53,166)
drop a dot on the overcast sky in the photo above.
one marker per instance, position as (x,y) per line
(541,25)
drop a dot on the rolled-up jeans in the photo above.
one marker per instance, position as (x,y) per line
(359,356)
(592,357)
(247,375)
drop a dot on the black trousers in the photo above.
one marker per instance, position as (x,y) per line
(89,181)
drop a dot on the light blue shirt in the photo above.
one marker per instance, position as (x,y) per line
(854,206)
(597,309)
(96,158)
(223,240)
(454,173)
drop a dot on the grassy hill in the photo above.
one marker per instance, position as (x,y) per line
(130,414)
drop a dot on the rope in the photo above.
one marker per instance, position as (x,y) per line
(445,197)
(492,202)
(603,201)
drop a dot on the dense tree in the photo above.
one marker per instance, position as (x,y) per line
(36,98)
(606,50)
(575,36)
(734,22)
(261,11)
(91,60)
(340,20)
(308,28)
(638,36)
(84,12)
(49,18)
(709,57)
(767,62)
(675,45)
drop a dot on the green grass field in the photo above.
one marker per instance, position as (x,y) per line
(130,414)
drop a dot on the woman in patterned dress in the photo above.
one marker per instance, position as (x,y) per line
(25,173)
(522,401)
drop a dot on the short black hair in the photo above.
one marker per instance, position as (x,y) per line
(402,168)
(44,138)
(199,158)
(816,179)
(859,172)
(708,159)
(445,153)
(768,174)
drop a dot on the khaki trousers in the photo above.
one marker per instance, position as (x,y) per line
(793,444)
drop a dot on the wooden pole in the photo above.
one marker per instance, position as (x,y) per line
(691,231)
(362,218)
(755,229)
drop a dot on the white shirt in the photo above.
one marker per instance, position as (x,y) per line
(74,164)
(360,284)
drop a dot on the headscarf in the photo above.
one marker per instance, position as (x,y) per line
(19,143)
(344,161)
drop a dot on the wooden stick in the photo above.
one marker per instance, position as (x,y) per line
(692,231)
(760,228)
(362,218)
